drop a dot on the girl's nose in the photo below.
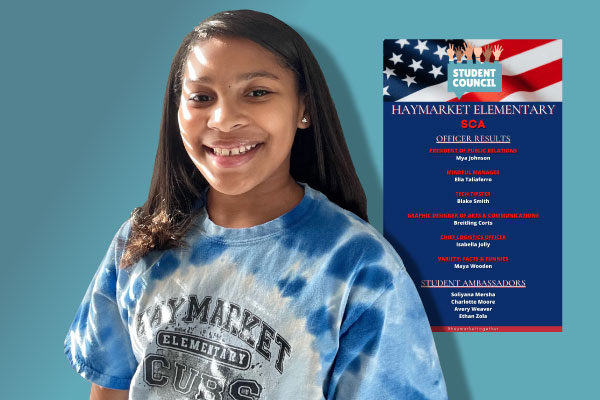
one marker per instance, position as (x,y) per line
(225,116)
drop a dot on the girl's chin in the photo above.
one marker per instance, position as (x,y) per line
(230,188)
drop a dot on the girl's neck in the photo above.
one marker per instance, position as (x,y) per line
(255,207)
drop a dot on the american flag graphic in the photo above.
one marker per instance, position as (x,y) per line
(415,70)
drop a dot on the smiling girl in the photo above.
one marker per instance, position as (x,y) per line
(251,271)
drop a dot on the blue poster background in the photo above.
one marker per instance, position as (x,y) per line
(530,181)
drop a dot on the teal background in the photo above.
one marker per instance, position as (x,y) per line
(81,88)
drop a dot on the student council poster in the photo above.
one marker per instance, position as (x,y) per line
(473,179)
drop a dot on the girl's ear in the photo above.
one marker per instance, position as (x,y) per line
(303,117)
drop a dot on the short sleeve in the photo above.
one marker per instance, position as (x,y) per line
(97,343)
(386,349)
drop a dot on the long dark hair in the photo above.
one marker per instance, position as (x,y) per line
(320,156)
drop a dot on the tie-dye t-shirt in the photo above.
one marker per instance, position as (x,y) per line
(313,304)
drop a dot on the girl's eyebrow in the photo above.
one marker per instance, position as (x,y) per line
(242,77)
(258,74)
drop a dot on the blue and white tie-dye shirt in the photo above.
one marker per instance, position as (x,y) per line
(313,304)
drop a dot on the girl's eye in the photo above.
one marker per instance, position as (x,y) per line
(258,93)
(200,98)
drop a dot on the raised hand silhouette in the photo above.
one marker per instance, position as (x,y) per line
(497,51)
(468,49)
(477,51)
(450,52)
(459,54)
(487,53)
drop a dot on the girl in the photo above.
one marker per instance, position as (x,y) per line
(251,272)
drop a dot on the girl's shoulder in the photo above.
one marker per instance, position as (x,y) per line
(348,237)
(121,236)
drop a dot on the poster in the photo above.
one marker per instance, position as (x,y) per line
(473,179)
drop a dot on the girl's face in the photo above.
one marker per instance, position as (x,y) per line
(238,115)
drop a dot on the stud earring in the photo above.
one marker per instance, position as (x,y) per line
(304,120)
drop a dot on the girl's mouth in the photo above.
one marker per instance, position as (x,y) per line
(232,157)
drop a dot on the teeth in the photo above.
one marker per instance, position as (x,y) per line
(234,151)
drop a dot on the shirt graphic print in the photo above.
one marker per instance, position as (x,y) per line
(314,304)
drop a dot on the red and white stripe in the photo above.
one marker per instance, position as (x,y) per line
(531,71)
